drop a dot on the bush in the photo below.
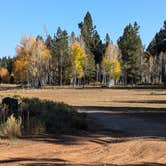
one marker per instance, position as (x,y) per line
(11,102)
(37,127)
(11,128)
(52,116)
(39,116)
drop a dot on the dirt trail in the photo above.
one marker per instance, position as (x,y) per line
(124,130)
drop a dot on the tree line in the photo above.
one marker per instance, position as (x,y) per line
(64,59)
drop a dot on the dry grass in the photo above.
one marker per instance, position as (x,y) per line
(97,97)
(96,148)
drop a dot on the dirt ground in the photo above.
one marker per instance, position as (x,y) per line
(126,127)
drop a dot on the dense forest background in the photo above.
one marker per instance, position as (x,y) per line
(65,59)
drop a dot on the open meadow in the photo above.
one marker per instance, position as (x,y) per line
(125,127)
(83,83)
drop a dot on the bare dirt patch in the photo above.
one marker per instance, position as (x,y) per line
(127,127)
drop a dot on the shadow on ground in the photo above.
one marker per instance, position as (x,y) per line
(128,121)
(124,110)
(59,138)
(142,164)
(60,162)
(120,124)
(35,160)
(142,101)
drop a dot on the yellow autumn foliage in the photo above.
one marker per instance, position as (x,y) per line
(107,65)
(117,69)
(31,54)
(20,66)
(111,67)
(4,74)
(79,59)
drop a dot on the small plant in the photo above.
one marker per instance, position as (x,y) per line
(11,128)
(38,127)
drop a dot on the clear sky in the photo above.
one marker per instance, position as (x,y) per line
(25,17)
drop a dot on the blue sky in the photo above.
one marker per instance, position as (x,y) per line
(25,17)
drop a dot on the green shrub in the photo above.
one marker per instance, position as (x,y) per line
(11,128)
(53,116)
(37,126)
(39,116)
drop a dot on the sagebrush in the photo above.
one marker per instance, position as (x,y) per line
(11,128)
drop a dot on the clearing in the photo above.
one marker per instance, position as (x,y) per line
(127,127)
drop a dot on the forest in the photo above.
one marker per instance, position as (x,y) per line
(90,96)
(64,59)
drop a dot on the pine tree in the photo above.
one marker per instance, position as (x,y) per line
(62,53)
(48,42)
(72,38)
(93,45)
(131,49)
(107,38)
(59,62)
(155,48)
(7,62)
(158,44)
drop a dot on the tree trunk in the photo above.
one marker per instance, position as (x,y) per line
(61,75)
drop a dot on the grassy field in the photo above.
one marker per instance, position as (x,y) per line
(126,127)
(95,96)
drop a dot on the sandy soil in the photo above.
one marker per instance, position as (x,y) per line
(127,127)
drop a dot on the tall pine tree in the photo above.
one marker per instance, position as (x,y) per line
(59,63)
(158,44)
(156,47)
(131,49)
(93,44)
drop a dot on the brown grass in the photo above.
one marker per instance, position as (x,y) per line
(128,127)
